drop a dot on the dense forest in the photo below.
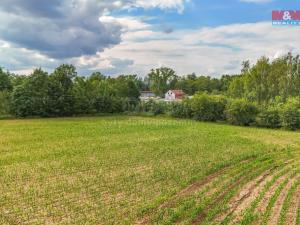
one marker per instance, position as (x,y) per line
(266,94)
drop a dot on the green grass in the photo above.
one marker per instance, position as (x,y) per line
(117,170)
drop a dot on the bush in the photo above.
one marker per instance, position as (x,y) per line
(22,102)
(4,102)
(154,107)
(290,114)
(241,112)
(269,118)
(109,104)
(208,108)
(129,104)
(181,109)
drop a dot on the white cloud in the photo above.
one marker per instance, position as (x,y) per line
(23,61)
(71,28)
(147,4)
(163,4)
(127,23)
(210,51)
(31,35)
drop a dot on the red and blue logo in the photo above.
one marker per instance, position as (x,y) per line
(286,17)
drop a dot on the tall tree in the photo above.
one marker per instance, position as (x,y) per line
(31,97)
(162,79)
(256,80)
(236,87)
(60,91)
(127,86)
(5,82)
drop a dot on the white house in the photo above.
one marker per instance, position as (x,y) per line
(173,95)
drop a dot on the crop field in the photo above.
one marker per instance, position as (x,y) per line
(139,170)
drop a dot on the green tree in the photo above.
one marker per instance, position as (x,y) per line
(208,107)
(236,87)
(162,79)
(97,76)
(84,94)
(4,102)
(60,91)
(127,87)
(187,84)
(5,82)
(256,84)
(290,113)
(31,97)
(241,112)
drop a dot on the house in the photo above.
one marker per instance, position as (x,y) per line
(147,95)
(173,95)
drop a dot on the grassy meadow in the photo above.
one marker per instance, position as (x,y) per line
(139,170)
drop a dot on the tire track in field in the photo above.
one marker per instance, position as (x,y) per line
(246,212)
(241,200)
(186,191)
(214,193)
(203,214)
(275,213)
(262,206)
(271,194)
(264,174)
(291,215)
(247,195)
(193,188)
(238,212)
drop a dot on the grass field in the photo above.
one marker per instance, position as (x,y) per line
(135,170)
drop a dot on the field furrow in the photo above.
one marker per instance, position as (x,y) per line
(136,170)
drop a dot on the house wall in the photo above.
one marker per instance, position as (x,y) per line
(170,96)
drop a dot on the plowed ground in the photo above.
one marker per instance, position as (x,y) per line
(135,170)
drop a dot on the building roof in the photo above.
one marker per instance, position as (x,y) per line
(147,92)
(178,93)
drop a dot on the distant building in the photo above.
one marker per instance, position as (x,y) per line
(173,95)
(145,95)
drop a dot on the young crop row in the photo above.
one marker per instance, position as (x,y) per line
(263,190)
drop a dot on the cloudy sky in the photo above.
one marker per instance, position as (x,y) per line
(210,37)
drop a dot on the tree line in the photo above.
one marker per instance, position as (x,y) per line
(64,93)
(265,88)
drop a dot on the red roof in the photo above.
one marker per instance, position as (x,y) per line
(178,93)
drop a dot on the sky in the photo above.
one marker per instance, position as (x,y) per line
(206,37)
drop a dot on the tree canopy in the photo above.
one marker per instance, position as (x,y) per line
(64,93)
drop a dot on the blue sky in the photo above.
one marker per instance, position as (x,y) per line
(133,36)
(200,13)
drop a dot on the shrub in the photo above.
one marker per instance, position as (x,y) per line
(4,103)
(22,103)
(154,107)
(290,114)
(269,118)
(208,108)
(181,109)
(241,112)
(129,104)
